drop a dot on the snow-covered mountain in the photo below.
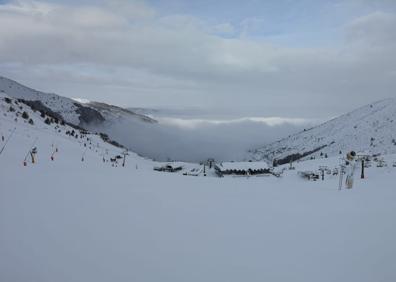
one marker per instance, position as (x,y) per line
(371,128)
(91,115)
(69,110)
(114,113)
(23,127)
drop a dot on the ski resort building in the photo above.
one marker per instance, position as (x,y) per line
(169,168)
(242,168)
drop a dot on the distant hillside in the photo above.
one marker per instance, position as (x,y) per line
(69,109)
(114,112)
(95,116)
(371,128)
(29,123)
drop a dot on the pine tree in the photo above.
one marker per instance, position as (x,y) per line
(25,115)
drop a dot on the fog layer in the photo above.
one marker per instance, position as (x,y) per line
(195,140)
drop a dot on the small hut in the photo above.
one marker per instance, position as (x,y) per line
(169,168)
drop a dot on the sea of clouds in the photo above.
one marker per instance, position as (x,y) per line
(194,139)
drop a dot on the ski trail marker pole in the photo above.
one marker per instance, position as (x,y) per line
(54,151)
(83,155)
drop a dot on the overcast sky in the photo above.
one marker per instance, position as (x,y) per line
(306,58)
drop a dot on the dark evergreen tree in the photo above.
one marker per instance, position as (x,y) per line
(25,115)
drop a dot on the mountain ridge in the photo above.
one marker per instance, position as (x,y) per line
(71,110)
(370,128)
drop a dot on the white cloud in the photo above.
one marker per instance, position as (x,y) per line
(196,140)
(266,121)
(377,28)
(134,55)
(81,100)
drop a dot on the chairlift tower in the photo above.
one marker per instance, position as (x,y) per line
(362,159)
(342,172)
(322,169)
(124,153)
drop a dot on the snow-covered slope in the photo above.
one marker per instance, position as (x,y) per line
(371,128)
(66,107)
(26,128)
(90,115)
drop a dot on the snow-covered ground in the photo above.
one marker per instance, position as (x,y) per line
(72,220)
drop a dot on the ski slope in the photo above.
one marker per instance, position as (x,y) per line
(72,220)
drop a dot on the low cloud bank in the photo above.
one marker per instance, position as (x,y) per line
(195,140)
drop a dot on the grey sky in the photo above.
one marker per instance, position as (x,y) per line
(259,58)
